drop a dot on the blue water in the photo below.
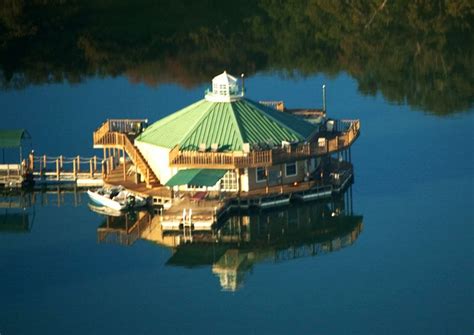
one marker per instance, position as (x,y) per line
(409,272)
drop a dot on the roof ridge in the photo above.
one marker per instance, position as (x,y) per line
(236,122)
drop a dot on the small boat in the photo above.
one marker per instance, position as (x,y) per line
(117,198)
(104,210)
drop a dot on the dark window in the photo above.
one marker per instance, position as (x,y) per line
(261,174)
(290,169)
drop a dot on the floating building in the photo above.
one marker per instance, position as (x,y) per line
(227,146)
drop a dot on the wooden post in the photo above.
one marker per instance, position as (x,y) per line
(266,179)
(95,163)
(281,178)
(74,168)
(91,169)
(75,195)
(44,161)
(57,169)
(61,160)
(31,162)
(102,168)
(105,154)
(239,182)
(78,163)
(124,167)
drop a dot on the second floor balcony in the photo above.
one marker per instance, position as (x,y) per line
(323,143)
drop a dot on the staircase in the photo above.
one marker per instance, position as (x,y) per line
(119,134)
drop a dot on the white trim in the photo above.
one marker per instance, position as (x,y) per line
(296,169)
(212,97)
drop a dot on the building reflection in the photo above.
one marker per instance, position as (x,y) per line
(245,238)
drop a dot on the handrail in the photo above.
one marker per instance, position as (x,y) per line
(266,157)
(122,140)
(99,133)
(129,126)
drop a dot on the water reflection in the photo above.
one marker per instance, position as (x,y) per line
(18,207)
(231,248)
(245,238)
(17,212)
(418,53)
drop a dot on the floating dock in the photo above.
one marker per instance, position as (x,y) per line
(46,171)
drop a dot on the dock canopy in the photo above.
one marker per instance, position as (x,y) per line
(11,138)
(196,177)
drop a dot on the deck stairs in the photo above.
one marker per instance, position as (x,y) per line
(119,134)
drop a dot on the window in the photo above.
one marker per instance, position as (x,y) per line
(261,174)
(229,182)
(290,169)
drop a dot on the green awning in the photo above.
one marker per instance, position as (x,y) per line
(11,138)
(183,177)
(196,177)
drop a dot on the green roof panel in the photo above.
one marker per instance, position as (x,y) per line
(11,138)
(227,124)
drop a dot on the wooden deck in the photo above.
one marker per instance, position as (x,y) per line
(158,194)
(323,144)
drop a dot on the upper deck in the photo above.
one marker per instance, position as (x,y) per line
(323,143)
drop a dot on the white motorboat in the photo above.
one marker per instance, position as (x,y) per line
(103,210)
(117,198)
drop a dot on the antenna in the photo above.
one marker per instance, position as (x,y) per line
(324,98)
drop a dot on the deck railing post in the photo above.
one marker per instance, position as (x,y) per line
(74,168)
(91,168)
(61,161)
(95,163)
(124,166)
(78,163)
(44,161)
(57,169)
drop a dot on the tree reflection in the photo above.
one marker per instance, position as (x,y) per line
(418,53)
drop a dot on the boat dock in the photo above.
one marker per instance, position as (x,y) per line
(203,210)
(47,171)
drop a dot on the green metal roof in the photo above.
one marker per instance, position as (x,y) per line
(11,138)
(196,177)
(228,124)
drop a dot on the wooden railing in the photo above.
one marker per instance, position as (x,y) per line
(11,173)
(219,159)
(126,126)
(99,133)
(116,139)
(332,143)
(61,167)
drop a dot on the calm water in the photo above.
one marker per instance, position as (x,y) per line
(409,271)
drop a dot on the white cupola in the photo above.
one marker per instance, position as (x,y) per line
(225,88)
